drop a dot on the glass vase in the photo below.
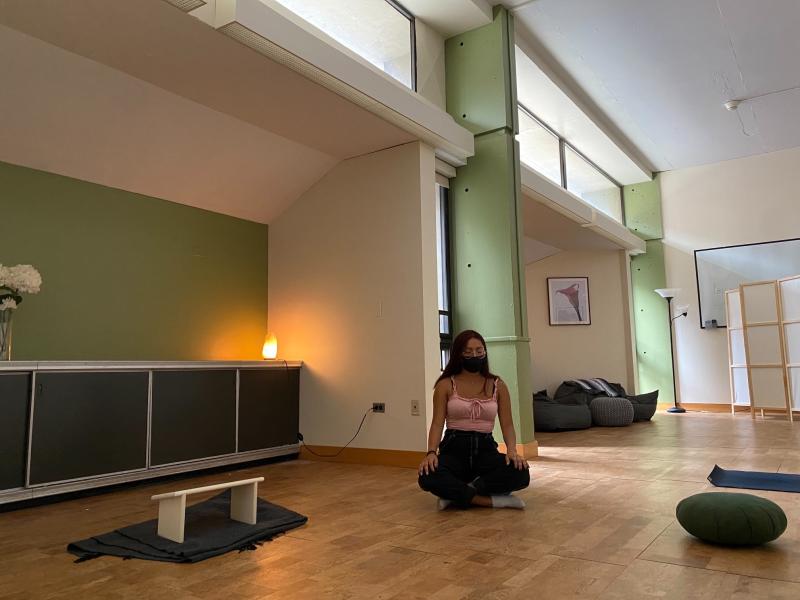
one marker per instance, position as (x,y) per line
(5,333)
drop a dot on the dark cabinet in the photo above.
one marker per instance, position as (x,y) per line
(194,415)
(268,408)
(64,429)
(87,424)
(15,393)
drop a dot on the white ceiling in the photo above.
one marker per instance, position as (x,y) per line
(554,232)
(661,71)
(142,97)
(76,117)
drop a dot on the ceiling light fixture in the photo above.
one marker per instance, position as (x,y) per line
(734,104)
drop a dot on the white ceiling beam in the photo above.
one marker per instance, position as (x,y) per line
(274,31)
(558,199)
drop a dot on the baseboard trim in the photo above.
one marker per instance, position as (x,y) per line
(365,456)
(719,407)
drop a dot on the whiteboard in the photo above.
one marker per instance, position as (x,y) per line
(720,269)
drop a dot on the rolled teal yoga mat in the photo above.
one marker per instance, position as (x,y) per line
(755,480)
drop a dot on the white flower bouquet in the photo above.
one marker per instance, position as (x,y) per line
(14,281)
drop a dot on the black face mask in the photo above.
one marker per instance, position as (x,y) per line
(474,364)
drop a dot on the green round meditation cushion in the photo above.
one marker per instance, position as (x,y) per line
(731,519)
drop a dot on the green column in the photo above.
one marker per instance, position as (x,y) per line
(653,357)
(488,279)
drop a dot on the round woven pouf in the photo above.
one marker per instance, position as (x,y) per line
(611,412)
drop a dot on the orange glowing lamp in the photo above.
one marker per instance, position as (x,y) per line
(270,349)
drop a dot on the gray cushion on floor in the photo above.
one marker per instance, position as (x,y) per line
(644,406)
(611,412)
(549,415)
(731,519)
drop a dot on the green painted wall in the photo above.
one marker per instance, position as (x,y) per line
(130,277)
(489,293)
(653,352)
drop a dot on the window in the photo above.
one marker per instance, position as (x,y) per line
(543,150)
(443,273)
(588,182)
(538,147)
(380,31)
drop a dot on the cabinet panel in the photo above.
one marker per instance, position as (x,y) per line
(194,415)
(268,408)
(88,424)
(15,393)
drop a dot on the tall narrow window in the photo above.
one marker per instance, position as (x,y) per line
(443,273)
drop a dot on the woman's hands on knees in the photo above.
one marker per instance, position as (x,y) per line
(429,464)
(518,461)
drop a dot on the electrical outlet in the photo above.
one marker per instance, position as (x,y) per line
(379,407)
(415,408)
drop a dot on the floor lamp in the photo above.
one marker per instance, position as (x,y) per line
(668,294)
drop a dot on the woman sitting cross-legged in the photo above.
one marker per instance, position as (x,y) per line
(465,468)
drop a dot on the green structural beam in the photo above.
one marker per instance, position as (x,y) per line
(481,78)
(643,209)
(486,267)
(488,281)
(653,352)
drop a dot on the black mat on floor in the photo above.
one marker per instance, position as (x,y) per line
(754,480)
(209,532)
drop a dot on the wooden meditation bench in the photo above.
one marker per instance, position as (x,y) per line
(172,506)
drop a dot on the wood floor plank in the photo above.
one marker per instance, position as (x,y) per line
(599,523)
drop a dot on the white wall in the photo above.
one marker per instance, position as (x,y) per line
(602,349)
(430,64)
(742,201)
(352,293)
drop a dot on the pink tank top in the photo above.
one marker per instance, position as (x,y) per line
(471,414)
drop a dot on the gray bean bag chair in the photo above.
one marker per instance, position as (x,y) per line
(552,415)
(611,412)
(644,406)
(587,390)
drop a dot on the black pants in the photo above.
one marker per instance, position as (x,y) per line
(471,457)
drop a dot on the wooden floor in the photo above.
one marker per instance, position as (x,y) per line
(599,524)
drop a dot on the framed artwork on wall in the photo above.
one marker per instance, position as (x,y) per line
(568,300)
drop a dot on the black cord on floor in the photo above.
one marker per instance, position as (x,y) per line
(300,437)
